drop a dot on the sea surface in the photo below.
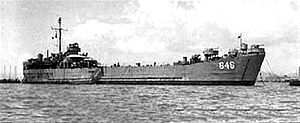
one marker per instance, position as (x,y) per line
(277,102)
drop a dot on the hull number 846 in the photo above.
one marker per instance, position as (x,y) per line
(227,65)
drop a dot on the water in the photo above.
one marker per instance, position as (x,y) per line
(149,103)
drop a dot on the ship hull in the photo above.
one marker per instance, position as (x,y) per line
(58,76)
(243,71)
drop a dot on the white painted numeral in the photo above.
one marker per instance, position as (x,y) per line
(227,65)
(232,65)
(221,65)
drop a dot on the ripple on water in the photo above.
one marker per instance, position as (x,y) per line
(148,103)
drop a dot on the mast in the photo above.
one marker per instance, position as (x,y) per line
(15,72)
(4,72)
(9,72)
(240,37)
(299,73)
(59,33)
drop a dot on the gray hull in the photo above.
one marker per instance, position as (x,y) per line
(241,70)
(58,76)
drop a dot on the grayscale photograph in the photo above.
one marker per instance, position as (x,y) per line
(150,61)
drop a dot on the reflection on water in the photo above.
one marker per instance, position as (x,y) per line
(148,103)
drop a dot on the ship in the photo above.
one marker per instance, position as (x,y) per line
(295,81)
(240,66)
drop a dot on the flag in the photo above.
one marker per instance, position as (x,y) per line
(55,34)
(240,36)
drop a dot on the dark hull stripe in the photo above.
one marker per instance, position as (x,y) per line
(243,76)
(248,83)
(244,83)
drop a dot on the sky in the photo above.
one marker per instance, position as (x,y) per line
(147,31)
